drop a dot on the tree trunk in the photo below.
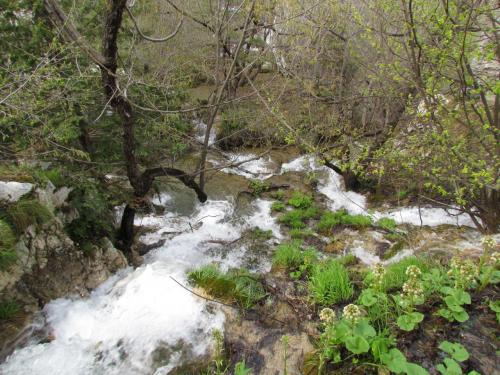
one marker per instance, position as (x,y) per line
(126,233)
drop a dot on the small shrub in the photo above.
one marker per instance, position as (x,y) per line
(277,207)
(27,212)
(236,286)
(386,223)
(95,214)
(8,309)
(300,200)
(329,283)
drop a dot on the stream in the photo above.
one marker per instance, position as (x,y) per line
(142,321)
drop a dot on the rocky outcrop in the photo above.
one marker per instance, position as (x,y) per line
(12,191)
(50,265)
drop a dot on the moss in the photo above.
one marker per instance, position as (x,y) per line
(8,255)
(9,309)
(27,212)
(301,233)
(330,283)
(235,286)
(257,187)
(278,194)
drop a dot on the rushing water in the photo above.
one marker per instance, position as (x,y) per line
(121,326)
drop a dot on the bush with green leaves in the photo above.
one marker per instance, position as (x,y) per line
(329,283)
(235,286)
(95,219)
(8,254)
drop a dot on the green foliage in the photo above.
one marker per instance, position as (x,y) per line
(235,286)
(495,307)
(8,255)
(257,187)
(241,369)
(95,214)
(395,274)
(296,218)
(300,233)
(278,194)
(26,212)
(455,350)
(277,207)
(258,234)
(454,300)
(300,200)
(330,220)
(386,223)
(408,322)
(329,283)
(397,363)
(9,309)
(348,260)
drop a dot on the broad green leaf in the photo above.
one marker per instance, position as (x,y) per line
(455,350)
(414,369)
(357,344)
(461,316)
(363,328)
(450,367)
(394,360)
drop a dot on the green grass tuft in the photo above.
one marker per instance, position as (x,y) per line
(235,286)
(330,220)
(296,218)
(300,200)
(386,223)
(277,207)
(9,309)
(27,212)
(395,274)
(330,284)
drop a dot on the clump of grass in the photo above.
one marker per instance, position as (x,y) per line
(235,286)
(330,283)
(300,200)
(395,274)
(348,260)
(330,220)
(386,223)
(278,194)
(277,207)
(296,218)
(53,175)
(8,255)
(300,233)
(257,187)
(259,234)
(26,212)
(288,255)
(9,309)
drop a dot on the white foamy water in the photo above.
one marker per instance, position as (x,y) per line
(332,186)
(201,129)
(259,168)
(120,326)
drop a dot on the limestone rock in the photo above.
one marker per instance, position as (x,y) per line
(12,191)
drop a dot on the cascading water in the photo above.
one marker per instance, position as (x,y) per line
(141,321)
(120,328)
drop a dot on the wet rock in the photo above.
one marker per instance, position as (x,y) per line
(12,191)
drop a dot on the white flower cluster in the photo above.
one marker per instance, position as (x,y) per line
(352,313)
(378,275)
(488,243)
(413,288)
(463,271)
(327,315)
(495,257)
